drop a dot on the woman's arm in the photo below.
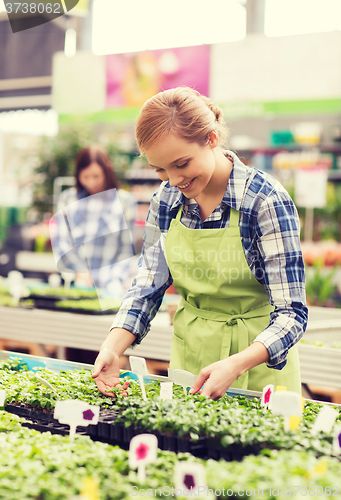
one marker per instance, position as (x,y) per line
(279,266)
(139,305)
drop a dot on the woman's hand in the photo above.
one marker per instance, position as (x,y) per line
(218,377)
(106,373)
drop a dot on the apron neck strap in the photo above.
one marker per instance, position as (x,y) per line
(234,218)
(178,215)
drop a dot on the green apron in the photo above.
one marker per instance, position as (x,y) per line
(223,307)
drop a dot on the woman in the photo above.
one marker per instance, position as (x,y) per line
(230,235)
(93,234)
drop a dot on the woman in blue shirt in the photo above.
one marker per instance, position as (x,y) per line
(227,236)
(92,230)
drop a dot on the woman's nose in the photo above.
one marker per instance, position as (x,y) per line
(175,179)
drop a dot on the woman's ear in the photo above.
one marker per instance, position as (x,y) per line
(213,139)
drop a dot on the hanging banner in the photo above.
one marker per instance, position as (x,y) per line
(133,78)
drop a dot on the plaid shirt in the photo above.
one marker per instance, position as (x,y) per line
(269,229)
(94,233)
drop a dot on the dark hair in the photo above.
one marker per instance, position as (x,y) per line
(95,154)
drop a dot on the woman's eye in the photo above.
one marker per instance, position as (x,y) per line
(183,165)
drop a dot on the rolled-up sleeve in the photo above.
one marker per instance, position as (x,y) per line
(279,266)
(142,301)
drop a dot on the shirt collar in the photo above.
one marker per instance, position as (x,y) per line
(236,185)
(234,190)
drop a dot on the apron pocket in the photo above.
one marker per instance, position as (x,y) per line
(177,353)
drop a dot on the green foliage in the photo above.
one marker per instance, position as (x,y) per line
(72,293)
(57,155)
(235,420)
(320,287)
(56,158)
(90,304)
(40,466)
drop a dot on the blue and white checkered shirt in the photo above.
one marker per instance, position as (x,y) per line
(94,233)
(269,229)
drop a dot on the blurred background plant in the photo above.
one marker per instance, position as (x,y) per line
(56,156)
(321,289)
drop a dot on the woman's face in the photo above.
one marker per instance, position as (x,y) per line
(186,165)
(92,178)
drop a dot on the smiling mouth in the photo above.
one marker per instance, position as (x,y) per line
(184,186)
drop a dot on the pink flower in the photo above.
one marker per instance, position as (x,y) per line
(267,396)
(141,451)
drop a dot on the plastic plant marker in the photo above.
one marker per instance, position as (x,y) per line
(280,388)
(142,451)
(16,285)
(46,383)
(266,395)
(2,397)
(68,278)
(54,280)
(190,477)
(337,440)
(16,290)
(184,378)
(303,403)
(319,469)
(90,489)
(324,420)
(74,413)
(138,366)
(166,390)
(294,422)
(287,404)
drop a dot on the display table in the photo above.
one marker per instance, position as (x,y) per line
(81,331)
(319,365)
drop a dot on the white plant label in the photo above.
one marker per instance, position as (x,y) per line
(2,397)
(166,391)
(190,479)
(68,278)
(74,413)
(54,280)
(184,378)
(287,404)
(46,383)
(138,365)
(337,440)
(268,390)
(142,451)
(324,420)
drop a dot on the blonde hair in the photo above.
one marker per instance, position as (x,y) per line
(182,111)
